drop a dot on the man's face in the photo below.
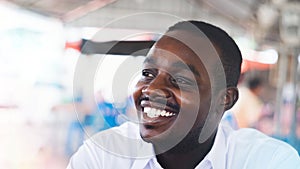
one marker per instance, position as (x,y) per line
(173,96)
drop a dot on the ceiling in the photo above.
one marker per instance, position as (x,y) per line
(259,17)
(76,10)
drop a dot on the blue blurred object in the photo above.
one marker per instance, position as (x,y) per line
(110,114)
(229,118)
(75,137)
(105,117)
(294,143)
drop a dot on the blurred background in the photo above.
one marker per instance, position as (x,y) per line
(65,76)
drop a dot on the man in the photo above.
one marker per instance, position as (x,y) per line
(188,80)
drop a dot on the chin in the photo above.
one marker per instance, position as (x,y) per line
(147,139)
(149,135)
(162,141)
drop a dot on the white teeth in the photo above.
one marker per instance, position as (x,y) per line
(152,112)
(157,112)
(147,109)
(163,113)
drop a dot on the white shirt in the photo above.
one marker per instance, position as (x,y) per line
(122,147)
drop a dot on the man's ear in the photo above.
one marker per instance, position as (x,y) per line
(230,97)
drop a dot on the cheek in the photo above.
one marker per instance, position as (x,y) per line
(188,99)
(189,106)
(137,91)
(195,105)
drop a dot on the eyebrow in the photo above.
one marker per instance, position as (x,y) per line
(149,60)
(187,67)
(177,65)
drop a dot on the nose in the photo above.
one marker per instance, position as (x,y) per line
(154,92)
(158,87)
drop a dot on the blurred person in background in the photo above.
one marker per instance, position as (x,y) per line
(265,122)
(248,108)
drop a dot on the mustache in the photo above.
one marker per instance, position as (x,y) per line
(160,101)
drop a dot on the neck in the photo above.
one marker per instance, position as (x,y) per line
(187,154)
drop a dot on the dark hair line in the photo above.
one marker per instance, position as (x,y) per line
(230,54)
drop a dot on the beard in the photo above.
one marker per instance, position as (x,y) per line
(173,142)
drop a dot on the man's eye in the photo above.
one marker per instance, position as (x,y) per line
(181,81)
(147,73)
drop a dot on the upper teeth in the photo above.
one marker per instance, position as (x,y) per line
(152,112)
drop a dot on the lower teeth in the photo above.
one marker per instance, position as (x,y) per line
(152,112)
(153,115)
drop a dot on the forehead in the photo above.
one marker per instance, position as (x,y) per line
(182,46)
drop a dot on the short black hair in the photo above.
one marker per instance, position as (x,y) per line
(230,54)
(254,83)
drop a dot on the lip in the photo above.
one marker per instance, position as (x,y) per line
(160,120)
(146,119)
(156,121)
(162,105)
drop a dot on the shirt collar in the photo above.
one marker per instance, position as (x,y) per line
(216,156)
(143,162)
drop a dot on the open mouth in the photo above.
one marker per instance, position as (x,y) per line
(158,109)
(153,112)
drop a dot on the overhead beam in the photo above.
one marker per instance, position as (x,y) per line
(134,48)
(85,9)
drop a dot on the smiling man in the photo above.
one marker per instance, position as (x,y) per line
(188,81)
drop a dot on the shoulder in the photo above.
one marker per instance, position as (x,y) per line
(127,129)
(117,147)
(255,148)
(118,141)
(255,138)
